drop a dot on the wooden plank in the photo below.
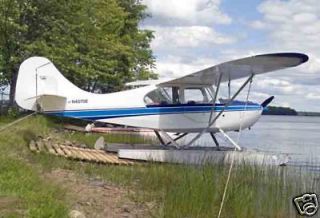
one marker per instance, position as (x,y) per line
(76,154)
(83,154)
(105,157)
(86,155)
(111,158)
(97,157)
(66,150)
(50,149)
(59,151)
(102,157)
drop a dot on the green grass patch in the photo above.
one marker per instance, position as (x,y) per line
(196,191)
(34,197)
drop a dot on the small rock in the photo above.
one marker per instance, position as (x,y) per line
(82,145)
(76,214)
(126,209)
(99,143)
(89,127)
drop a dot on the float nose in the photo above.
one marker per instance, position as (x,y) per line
(267,102)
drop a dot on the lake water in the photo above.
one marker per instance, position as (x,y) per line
(297,136)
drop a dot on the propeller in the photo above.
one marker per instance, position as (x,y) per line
(267,102)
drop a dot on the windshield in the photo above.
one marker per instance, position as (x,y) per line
(159,96)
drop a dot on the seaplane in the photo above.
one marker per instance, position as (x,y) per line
(188,104)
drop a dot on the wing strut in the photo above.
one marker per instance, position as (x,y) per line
(220,113)
(230,140)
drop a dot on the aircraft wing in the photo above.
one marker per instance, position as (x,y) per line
(240,68)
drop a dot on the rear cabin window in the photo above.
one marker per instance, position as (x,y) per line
(195,96)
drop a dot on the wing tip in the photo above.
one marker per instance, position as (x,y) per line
(303,57)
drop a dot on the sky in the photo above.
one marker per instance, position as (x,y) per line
(191,35)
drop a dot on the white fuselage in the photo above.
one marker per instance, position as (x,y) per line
(191,122)
(129,109)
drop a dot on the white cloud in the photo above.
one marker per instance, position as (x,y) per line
(293,25)
(258,24)
(187,37)
(173,66)
(315,96)
(187,12)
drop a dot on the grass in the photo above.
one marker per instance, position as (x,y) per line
(168,190)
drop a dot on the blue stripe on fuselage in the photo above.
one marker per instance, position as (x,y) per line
(143,111)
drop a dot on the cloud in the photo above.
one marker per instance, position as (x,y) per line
(174,66)
(315,96)
(293,25)
(187,12)
(187,37)
(258,24)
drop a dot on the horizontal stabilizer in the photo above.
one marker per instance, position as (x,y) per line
(47,102)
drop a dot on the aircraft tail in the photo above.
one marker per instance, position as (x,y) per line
(40,84)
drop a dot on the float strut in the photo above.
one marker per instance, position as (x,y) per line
(177,138)
(230,140)
(215,141)
(166,135)
(159,137)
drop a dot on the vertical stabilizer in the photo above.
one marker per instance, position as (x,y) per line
(38,77)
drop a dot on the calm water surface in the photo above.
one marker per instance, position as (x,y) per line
(298,136)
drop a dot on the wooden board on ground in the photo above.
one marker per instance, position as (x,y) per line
(83,154)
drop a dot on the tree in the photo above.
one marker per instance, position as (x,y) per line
(95,43)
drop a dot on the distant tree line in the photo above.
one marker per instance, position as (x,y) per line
(311,114)
(96,44)
(272,110)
